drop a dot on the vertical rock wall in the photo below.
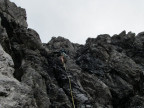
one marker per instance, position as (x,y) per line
(106,72)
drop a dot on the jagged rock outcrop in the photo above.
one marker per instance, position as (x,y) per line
(106,72)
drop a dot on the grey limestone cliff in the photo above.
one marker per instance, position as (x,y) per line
(106,72)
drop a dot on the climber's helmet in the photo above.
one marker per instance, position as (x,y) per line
(63,52)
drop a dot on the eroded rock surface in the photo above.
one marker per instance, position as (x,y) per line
(106,72)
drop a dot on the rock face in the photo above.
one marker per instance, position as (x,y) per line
(106,72)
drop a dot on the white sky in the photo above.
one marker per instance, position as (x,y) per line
(79,19)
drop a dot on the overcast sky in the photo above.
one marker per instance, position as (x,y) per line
(79,19)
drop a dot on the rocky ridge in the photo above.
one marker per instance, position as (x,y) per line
(106,72)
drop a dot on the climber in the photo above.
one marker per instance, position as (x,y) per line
(63,56)
(61,53)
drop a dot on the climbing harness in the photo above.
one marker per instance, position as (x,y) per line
(64,65)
